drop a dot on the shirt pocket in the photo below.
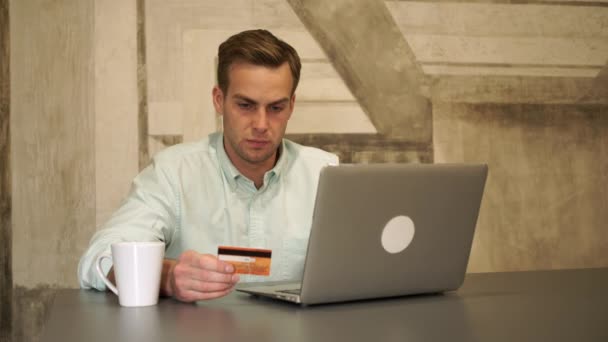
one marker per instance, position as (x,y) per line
(293,256)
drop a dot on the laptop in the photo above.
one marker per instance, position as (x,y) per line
(386,230)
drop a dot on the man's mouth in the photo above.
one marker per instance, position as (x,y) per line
(257,143)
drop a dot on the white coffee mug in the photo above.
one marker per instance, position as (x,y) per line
(137,270)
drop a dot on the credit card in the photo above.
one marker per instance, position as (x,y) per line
(254,261)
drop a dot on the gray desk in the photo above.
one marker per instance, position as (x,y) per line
(569,305)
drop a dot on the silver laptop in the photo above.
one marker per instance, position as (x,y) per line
(386,230)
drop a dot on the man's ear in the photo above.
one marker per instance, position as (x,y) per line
(217,96)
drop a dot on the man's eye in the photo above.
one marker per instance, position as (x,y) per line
(276,108)
(244,105)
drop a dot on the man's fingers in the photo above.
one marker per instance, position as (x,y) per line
(205,267)
(212,263)
(206,261)
(190,272)
(215,277)
(202,276)
(188,289)
(203,286)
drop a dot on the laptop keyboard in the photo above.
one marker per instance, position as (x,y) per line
(291,291)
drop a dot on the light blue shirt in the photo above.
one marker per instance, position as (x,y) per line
(192,197)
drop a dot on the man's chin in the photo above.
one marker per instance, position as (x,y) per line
(258,158)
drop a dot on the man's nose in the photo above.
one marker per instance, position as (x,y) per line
(260,122)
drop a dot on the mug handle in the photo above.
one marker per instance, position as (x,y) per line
(100,272)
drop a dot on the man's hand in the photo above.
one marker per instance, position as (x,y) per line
(196,276)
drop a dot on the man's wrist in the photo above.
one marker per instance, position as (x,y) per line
(166,282)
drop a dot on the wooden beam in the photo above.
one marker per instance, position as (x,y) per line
(385,81)
(362,148)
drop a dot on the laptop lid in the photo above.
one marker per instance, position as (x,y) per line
(391,229)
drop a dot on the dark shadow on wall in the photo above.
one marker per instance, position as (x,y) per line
(6,278)
(142,85)
(32,310)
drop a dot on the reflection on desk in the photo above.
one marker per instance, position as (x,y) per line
(568,305)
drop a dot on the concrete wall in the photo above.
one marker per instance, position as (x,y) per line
(6,279)
(53,150)
(77,135)
(544,205)
(74,139)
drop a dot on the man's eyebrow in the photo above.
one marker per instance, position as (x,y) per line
(281,101)
(244,98)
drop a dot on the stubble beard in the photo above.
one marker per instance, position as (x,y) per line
(254,158)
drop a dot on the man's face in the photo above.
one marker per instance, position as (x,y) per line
(255,111)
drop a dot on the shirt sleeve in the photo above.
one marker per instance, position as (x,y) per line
(149,213)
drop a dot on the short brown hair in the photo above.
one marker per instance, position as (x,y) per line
(258,47)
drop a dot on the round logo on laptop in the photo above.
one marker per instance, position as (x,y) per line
(397,234)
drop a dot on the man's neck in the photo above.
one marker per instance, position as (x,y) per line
(254,172)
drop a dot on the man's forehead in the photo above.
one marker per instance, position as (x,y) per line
(243,66)
(258,83)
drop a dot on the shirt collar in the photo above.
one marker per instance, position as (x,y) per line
(281,164)
(232,174)
(228,169)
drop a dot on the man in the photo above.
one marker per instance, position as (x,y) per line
(244,187)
